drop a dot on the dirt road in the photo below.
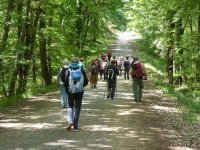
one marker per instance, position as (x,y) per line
(105,124)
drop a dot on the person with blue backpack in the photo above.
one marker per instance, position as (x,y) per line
(75,82)
(60,82)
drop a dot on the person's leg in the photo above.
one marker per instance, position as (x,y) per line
(124,73)
(135,88)
(78,104)
(101,73)
(128,74)
(113,87)
(104,76)
(95,80)
(141,85)
(63,95)
(70,111)
(108,88)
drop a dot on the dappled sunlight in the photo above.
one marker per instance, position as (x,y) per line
(163,108)
(124,36)
(121,123)
(64,143)
(9,120)
(129,112)
(33,117)
(102,128)
(108,120)
(154,69)
(180,148)
(28,126)
(99,145)
(123,106)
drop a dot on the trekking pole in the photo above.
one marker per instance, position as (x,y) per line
(105,90)
(116,91)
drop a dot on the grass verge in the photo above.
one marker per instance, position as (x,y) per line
(33,91)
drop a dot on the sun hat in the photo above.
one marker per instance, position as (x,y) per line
(65,62)
(74,62)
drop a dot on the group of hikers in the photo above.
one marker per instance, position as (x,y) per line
(73,77)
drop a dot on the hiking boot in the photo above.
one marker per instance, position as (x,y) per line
(108,96)
(70,126)
(75,130)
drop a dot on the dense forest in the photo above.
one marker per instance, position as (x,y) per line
(37,35)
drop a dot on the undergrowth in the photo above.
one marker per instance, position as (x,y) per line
(187,97)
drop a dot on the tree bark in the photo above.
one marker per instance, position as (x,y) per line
(4,39)
(170,50)
(43,54)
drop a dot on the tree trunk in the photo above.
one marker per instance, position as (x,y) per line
(197,60)
(179,64)
(3,79)
(24,40)
(43,54)
(32,43)
(79,25)
(86,25)
(3,42)
(170,50)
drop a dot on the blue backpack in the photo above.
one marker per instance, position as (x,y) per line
(76,81)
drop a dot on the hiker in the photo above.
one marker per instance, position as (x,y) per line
(93,73)
(60,83)
(111,76)
(120,64)
(75,82)
(81,64)
(103,57)
(103,66)
(114,58)
(101,70)
(109,54)
(126,65)
(138,73)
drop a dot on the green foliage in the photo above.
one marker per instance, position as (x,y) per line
(171,25)
(188,97)
(70,28)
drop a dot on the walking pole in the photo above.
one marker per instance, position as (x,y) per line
(105,91)
(116,91)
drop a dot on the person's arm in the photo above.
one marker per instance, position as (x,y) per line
(131,72)
(58,78)
(85,77)
(117,71)
(144,71)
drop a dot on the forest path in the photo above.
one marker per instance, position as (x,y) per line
(105,124)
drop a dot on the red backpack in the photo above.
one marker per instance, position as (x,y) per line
(137,70)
